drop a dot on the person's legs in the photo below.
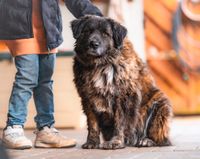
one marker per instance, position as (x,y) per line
(26,79)
(47,136)
(43,94)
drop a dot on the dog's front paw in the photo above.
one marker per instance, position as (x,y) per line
(146,142)
(113,144)
(90,145)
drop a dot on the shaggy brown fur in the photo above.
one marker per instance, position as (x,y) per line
(118,93)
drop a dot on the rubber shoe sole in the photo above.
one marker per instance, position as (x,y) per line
(39,144)
(17,147)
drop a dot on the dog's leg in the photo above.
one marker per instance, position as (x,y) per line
(156,127)
(132,117)
(93,139)
(117,141)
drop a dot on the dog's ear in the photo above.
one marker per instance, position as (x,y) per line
(119,33)
(77,26)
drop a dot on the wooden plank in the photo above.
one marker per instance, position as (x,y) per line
(185,95)
(189,39)
(155,36)
(179,102)
(148,44)
(170,74)
(159,14)
(171,5)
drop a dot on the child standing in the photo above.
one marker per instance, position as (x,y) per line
(32,31)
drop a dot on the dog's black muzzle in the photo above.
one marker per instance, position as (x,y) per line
(95,45)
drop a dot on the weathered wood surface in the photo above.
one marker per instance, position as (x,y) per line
(168,71)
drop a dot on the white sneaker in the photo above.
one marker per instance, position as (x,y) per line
(50,138)
(14,138)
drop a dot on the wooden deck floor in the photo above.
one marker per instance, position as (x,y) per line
(185,135)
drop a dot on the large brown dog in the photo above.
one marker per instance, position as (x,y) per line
(118,93)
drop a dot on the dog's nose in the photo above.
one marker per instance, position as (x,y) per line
(94,44)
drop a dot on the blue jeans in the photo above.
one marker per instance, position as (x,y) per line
(33,77)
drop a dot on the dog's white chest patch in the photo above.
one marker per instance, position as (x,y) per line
(104,77)
(109,74)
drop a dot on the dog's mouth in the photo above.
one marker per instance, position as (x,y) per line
(96,52)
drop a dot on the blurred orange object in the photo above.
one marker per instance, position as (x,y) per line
(181,85)
(3,47)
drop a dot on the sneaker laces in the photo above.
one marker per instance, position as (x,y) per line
(46,128)
(14,132)
(15,135)
(54,130)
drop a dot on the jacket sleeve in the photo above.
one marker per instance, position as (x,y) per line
(80,8)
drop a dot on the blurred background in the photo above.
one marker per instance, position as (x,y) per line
(165,34)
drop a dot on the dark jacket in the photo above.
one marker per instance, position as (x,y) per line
(16,18)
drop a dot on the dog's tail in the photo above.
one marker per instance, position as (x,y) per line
(156,125)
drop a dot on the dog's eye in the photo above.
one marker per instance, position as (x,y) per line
(106,34)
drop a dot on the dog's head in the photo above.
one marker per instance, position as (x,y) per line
(96,36)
